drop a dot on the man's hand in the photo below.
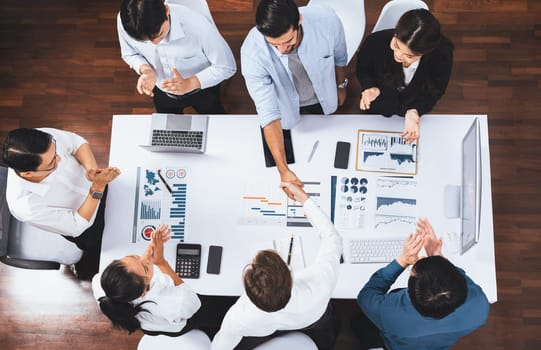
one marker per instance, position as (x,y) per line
(180,86)
(297,193)
(367,97)
(433,244)
(288,176)
(410,252)
(411,128)
(101,177)
(147,80)
(342,95)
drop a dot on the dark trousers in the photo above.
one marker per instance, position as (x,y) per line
(90,243)
(205,101)
(323,332)
(208,318)
(366,331)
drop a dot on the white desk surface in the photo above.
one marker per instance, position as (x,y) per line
(234,158)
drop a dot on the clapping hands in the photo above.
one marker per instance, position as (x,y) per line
(154,251)
(424,236)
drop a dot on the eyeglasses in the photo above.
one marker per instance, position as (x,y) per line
(53,161)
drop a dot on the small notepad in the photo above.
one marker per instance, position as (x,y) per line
(297,255)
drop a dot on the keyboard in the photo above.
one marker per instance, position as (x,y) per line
(375,250)
(177,138)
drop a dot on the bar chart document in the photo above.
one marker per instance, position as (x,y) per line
(160,198)
(385,151)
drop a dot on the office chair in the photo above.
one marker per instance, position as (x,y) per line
(291,340)
(200,6)
(352,16)
(25,246)
(192,340)
(393,10)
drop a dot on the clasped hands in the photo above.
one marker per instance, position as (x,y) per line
(424,236)
(176,85)
(154,251)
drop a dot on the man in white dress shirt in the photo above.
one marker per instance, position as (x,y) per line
(277,300)
(54,183)
(179,54)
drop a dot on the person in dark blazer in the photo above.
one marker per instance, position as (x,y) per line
(405,71)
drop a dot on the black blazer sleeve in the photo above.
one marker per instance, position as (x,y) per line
(372,53)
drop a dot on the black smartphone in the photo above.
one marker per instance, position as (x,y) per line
(341,157)
(215,259)
(288,146)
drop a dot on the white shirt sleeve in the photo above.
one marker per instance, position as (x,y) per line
(129,54)
(230,333)
(324,271)
(222,62)
(53,203)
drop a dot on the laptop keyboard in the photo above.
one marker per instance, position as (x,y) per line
(375,250)
(178,138)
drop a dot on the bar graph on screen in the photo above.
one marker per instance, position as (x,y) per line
(160,198)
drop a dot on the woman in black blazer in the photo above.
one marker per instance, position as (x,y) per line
(405,71)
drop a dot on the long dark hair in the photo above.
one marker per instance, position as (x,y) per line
(121,287)
(420,31)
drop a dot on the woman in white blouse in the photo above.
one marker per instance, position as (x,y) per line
(144,292)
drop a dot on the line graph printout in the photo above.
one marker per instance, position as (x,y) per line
(396,204)
(160,198)
(385,151)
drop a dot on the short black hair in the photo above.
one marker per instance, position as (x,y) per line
(142,19)
(274,18)
(436,288)
(23,148)
(419,30)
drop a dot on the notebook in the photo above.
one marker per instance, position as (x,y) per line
(177,133)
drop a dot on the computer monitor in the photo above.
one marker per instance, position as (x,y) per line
(471,187)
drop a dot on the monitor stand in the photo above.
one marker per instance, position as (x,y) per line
(452,204)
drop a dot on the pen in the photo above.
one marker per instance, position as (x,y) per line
(164,182)
(314,147)
(290,250)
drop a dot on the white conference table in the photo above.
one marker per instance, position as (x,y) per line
(234,161)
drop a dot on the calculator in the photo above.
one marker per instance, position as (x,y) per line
(188,260)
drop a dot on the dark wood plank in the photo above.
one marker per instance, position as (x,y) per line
(60,66)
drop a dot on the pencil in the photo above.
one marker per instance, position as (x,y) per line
(165,183)
(290,250)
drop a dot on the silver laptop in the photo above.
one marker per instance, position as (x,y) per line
(177,133)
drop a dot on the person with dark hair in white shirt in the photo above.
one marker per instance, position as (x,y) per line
(180,56)
(54,183)
(145,293)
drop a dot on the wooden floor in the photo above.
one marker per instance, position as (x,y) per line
(60,67)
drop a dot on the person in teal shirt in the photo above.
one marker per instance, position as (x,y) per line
(440,305)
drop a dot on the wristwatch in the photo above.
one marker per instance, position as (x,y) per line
(343,84)
(95,194)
